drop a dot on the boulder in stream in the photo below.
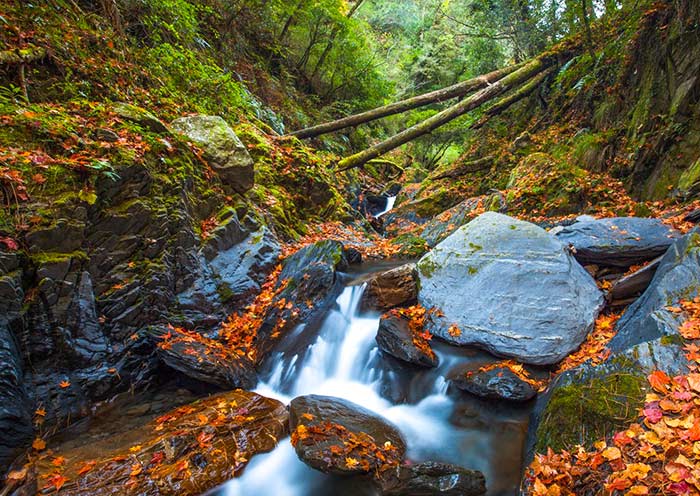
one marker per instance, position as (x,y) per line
(396,338)
(617,242)
(183,452)
(393,288)
(497,382)
(432,479)
(510,287)
(337,436)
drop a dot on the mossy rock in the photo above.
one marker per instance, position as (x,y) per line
(411,246)
(591,406)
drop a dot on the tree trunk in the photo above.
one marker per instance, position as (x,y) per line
(459,89)
(331,40)
(526,72)
(290,19)
(514,97)
(587,28)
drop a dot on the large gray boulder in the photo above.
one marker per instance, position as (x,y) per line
(618,242)
(510,287)
(225,152)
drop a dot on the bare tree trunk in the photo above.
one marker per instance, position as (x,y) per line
(289,21)
(456,90)
(110,10)
(587,28)
(331,40)
(527,71)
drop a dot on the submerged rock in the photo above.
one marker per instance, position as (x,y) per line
(508,286)
(337,436)
(432,479)
(499,383)
(618,242)
(395,338)
(224,150)
(184,452)
(393,288)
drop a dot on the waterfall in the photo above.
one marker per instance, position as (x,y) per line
(344,362)
(390,200)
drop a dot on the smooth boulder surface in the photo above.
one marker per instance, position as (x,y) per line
(322,452)
(393,288)
(225,152)
(394,337)
(498,383)
(510,287)
(618,242)
(433,479)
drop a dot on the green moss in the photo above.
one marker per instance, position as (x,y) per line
(56,257)
(224,291)
(690,177)
(585,413)
(427,267)
(411,246)
(472,270)
(671,340)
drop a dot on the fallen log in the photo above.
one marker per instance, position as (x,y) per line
(22,55)
(512,98)
(523,74)
(454,91)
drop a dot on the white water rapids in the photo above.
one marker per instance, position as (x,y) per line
(344,362)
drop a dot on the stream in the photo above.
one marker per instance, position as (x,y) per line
(438,423)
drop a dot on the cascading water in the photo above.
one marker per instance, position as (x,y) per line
(345,362)
(390,200)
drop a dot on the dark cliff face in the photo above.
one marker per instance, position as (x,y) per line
(662,101)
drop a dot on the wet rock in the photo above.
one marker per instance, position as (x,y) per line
(619,242)
(395,287)
(634,284)
(324,447)
(205,360)
(15,406)
(509,287)
(499,383)
(353,256)
(231,267)
(395,338)
(185,451)
(140,116)
(224,151)
(311,286)
(432,479)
